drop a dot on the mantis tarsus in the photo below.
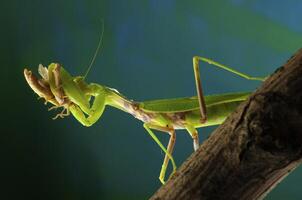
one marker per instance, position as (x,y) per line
(74,95)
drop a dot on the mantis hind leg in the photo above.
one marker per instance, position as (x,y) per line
(196,60)
(202,104)
(168,151)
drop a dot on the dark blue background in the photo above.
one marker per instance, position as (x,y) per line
(147,54)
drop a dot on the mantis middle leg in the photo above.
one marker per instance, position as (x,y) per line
(168,151)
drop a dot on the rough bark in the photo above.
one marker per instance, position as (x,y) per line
(253,150)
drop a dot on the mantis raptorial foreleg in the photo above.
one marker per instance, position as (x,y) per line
(169,149)
(95,111)
(77,92)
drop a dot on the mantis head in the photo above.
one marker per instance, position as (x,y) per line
(58,87)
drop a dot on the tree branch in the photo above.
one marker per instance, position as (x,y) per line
(253,150)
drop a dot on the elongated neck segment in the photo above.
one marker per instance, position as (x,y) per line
(117,100)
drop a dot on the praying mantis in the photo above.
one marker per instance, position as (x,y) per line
(87,101)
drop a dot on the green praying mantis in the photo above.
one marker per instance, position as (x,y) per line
(87,101)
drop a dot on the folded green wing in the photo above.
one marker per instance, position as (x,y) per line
(190,103)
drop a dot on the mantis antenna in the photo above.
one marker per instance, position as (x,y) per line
(96,51)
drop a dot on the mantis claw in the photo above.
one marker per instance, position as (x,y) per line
(56,117)
(62,114)
(174,171)
(162,181)
(52,108)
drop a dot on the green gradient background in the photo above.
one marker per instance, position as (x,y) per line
(147,53)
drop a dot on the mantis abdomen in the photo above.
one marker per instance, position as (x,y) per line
(182,112)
